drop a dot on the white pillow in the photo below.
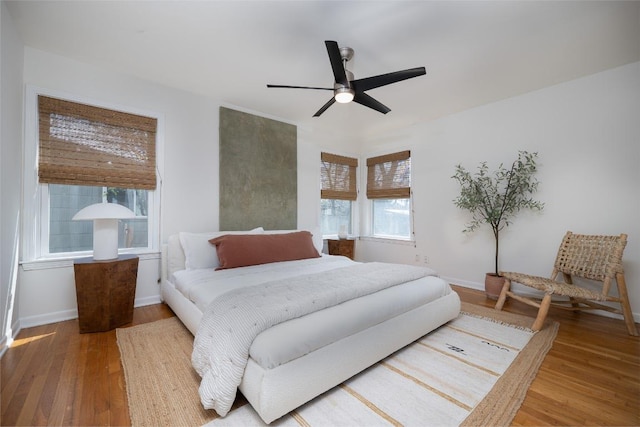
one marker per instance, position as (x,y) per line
(316,237)
(199,253)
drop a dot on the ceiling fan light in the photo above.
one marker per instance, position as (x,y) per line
(344,95)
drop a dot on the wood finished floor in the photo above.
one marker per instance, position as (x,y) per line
(52,375)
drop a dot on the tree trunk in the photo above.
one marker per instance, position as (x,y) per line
(495,234)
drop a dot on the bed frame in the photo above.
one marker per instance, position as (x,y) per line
(275,392)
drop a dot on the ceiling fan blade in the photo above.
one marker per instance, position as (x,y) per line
(324,107)
(336,62)
(366,100)
(300,87)
(367,83)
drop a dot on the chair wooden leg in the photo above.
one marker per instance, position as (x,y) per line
(626,307)
(503,294)
(542,312)
(574,303)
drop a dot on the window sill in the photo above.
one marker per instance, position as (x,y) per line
(389,240)
(336,237)
(63,262)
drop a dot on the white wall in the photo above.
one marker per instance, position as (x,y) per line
(189,173)
(587,134)
(11,54)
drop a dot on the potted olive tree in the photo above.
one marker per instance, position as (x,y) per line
(495,198)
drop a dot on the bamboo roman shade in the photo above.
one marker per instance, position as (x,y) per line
(389,176)
(85,145)
(338,176)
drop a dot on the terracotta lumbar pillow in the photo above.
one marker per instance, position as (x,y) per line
(253,249)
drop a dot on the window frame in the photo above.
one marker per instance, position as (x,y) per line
(36,195)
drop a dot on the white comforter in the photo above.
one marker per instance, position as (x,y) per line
(202,286)
(233,320)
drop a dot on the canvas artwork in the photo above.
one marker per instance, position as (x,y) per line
(258,172)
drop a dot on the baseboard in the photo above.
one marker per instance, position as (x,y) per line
(532,293)
(464,283)
(45,319)
(141,302)
(6,342)
(61,316)
(3,346)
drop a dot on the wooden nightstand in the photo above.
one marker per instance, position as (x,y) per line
(105,291)
(344,247)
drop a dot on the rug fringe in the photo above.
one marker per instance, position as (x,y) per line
(500,322)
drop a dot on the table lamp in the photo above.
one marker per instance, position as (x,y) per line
(105,218)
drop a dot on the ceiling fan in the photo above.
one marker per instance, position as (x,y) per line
(346,89)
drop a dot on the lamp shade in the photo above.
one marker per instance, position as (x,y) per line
(104,211)
(105,218)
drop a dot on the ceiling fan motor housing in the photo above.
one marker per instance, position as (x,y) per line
(349,74)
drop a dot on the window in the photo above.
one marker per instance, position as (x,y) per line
(336,216)
(389,188)
(338,178)
(66,235)
(89,155)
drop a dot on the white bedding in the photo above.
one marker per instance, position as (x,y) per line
(234,319)
(201,286)
(289,340)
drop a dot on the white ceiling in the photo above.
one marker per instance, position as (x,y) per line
(475,52)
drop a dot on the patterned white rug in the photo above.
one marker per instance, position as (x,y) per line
(454,375)
(473,371)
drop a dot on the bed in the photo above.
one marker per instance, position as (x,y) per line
(292,362)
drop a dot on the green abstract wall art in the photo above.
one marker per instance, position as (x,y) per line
(258,172)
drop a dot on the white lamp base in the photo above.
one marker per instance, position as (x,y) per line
(105,239)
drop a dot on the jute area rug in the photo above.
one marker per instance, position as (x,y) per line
(473,371)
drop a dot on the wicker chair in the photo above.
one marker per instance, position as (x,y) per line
(597,258)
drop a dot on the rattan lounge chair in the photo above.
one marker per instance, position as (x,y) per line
(598,258)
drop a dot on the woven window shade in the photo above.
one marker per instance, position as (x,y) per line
(338,176)
(85,145)
(389,176)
